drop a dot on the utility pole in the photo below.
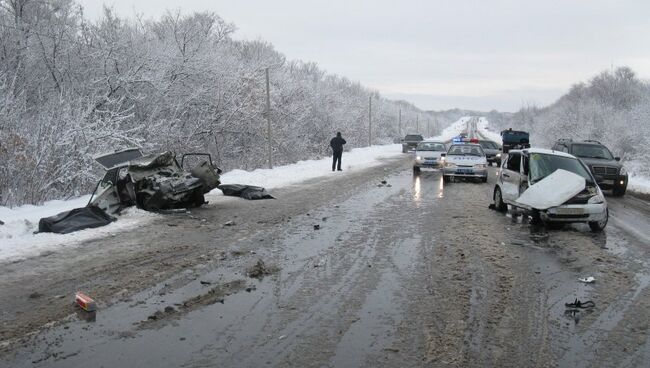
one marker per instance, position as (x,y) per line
(428,127)
(369,121)
(268,117)
(417,123)
(399,123)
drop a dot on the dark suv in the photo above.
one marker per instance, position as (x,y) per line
(608,171)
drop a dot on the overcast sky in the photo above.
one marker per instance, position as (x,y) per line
(478,55)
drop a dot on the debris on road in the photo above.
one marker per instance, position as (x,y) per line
(205,282)
(587,280)
(245,191)
(320,263)
(229,223)
(260,269)
(316,227)
(35,295)
(85,302)
(581,305)
(74,220)
(2,222)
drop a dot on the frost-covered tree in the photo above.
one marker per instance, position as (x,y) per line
(70,89)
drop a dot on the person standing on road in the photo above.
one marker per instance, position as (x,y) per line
(337,148)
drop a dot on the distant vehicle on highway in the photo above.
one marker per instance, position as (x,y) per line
(514,139)
(410,142)
(550,186)
(465,160)
(608,171)
(428,154)
(492,151)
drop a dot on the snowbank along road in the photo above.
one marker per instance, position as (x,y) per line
(353,273)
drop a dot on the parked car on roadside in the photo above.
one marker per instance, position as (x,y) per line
(465,160)
(608,171)
(410,142)
(550,186)
(492,151)
(428,154)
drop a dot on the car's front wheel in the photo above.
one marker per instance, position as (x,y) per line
(598,226)
(446,178)
(499,205)
(416,170)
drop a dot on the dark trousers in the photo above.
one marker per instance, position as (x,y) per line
(336,158)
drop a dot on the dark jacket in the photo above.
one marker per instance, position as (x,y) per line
(337,144)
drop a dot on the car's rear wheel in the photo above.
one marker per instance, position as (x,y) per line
(416,170)
(484,180)
(446,178)
(598,226)
(499,205)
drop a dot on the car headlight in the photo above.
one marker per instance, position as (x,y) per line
(480,166)
(498,155)
(623,171)
(598,198)
(450,164)
(418,157)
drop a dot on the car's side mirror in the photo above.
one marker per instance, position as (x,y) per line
(617,158)
(443,154)
(500,149)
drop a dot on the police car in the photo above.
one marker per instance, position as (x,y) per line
(428,154)
(465,159)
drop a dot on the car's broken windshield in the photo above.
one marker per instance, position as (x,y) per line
(543,165)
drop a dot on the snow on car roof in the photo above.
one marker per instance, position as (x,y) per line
(545,151)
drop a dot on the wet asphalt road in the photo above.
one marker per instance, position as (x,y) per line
(414,273)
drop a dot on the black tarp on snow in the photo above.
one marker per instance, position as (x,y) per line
(244,191)
(74,220)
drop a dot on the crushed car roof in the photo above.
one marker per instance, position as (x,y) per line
(118,158)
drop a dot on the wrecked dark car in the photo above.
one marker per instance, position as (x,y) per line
(153,182)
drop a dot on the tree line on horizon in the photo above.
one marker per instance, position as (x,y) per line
(71,88)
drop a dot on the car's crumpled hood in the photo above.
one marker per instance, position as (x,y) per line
(553,190)
(466,160)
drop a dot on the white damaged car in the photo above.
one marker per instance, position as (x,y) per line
(551,186)
(465,160)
